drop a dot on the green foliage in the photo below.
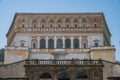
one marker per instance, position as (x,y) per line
(1,55)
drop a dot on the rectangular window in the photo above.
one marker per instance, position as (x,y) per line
(95,25)
(96,44)
(22,45)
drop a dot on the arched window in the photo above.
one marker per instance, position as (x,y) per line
(30,21)
(95,25)
(75,25)
(42,44)
(83,23)
(82,75)
(96,43)
(67,25)
(34,25)
(76,43)
(34,45)
(67,43)
(84,45)
(59,25)
(23,23)
(45,75)
(51,44)
(63,76)
(42,25)
(51,25)
(59,43)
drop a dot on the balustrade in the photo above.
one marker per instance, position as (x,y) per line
(63,62)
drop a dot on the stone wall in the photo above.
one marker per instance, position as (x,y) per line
(12,70)
(110,69)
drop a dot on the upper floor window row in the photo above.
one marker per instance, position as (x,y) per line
(35,23)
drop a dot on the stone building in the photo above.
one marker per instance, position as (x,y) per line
(58,46)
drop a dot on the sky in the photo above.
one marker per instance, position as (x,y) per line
(110,8)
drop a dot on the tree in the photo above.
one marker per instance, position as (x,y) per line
(1,55)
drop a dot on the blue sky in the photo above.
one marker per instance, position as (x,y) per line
(110,8)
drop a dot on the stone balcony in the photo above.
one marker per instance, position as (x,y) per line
(64,62)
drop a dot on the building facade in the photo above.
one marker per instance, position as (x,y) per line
(58,46)
(58,36)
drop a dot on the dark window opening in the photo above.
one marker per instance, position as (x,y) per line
(75,26)
(59,26)
(42,25)
(84,45)
(34,25)
(50,25)
(63,76)
(59,43)
(67,25)
(22,44)
(96,44)
(67,43)
(95,25)
(51,44)
(42,43)
(82,75)
(83,25)
(76,43)
(23,25)
(45,75)
(34,46)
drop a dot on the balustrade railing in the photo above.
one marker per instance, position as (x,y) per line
(63,62)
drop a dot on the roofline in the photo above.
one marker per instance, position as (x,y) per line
(77,13)
(11,24)
(106,25)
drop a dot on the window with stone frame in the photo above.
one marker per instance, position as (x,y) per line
(59,25)
(42,25)
(67,43)
(84,45)
(22,44)
(95,23)
(96,43)
(84,24)
(67,25)
(59,43)
(76,43)
(33,45)
(42,44)
(51,44)
(23,23)
(75,25)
